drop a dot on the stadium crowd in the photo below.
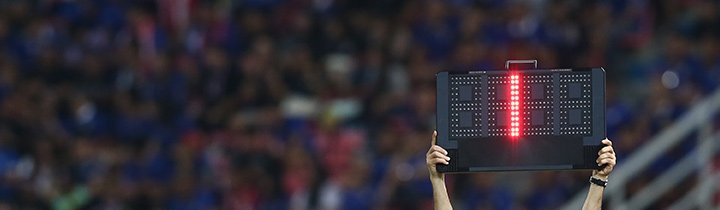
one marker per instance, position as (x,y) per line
(299,104)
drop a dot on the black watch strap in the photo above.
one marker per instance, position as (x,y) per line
(598,182)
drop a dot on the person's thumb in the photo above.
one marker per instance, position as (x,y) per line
(434,138)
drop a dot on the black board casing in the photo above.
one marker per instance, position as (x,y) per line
(562,117)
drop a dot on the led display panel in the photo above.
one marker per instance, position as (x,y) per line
(535,119)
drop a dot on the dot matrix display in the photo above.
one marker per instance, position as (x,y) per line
(520,104)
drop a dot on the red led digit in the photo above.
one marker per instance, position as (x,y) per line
(515,116)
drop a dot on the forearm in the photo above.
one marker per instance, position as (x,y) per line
(440,195)
(594,198)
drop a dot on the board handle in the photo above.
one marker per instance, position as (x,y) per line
(508,62)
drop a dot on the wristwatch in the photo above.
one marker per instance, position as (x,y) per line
(598,182)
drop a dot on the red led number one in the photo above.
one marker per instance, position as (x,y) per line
(515,116)
(515,100)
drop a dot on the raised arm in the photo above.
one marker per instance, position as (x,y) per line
(438,155)
(593,201)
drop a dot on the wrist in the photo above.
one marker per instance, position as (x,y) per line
(601,176)
(598,181)
(437,177)
(438,182)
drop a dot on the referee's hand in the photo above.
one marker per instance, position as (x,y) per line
(436,155)
(606,157)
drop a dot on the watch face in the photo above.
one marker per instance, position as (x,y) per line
(543,119)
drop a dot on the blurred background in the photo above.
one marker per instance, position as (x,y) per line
(329,104)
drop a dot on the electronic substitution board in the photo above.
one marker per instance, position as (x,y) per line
(521,119)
